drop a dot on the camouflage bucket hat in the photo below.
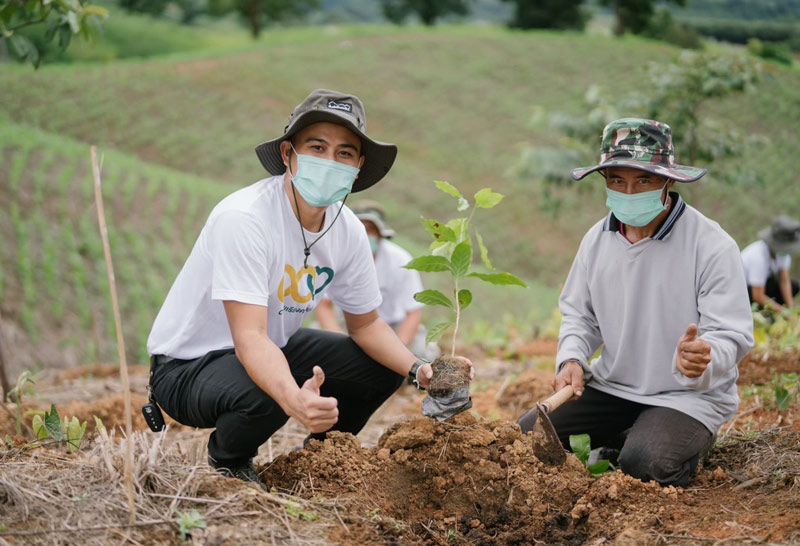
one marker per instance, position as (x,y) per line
(641,144)
(342,109)
(783,235)
(370,211)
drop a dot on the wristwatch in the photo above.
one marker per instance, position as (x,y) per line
(412,373)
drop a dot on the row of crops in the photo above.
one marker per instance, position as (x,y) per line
(53,280)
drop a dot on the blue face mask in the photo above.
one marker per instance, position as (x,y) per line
(322,182)
(373,243)
(636,209)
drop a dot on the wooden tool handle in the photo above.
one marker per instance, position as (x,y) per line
(557,399)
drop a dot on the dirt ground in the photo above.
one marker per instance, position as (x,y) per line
(411,480)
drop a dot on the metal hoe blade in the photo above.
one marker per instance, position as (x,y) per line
(546,445)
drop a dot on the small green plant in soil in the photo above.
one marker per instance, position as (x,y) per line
(49,425)
(23,387)
(581,446)
(187,521)
(451,253)
(776,332)
(785,388)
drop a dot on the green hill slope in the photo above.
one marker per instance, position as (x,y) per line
(53,282)
(457,101)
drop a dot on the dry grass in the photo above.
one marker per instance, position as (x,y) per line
(49,496)
(769,458)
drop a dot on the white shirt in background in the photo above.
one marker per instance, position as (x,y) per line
(759,265)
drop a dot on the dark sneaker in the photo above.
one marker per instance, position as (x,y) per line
(245,472)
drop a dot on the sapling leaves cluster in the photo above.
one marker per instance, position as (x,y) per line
(451,251)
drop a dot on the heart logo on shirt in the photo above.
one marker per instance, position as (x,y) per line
(320,270)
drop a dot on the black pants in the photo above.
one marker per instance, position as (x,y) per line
(662,444)
(773,289)
(215,391)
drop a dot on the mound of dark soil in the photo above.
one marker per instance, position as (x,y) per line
(470,480)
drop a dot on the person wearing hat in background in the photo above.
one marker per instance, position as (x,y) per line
(660,288)
(397,285)
(227,349)
(767,263)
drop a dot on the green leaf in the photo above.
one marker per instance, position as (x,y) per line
(98,423)
(461,258)
(442,249)
(53,424)
(600,467)
(487,199)
(75,432)
(781,397)
(484,251)
(91,9)
(499,278)
(38,427)
(436,332)
(26,49)
(429,264)
(581,446)
(448,188)
(440,232)
(464,298)
(74,25)
(433,297)
(460,227)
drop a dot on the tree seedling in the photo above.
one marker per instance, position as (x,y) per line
(451,252)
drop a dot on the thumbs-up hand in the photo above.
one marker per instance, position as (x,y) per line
(317,413)
(694,353)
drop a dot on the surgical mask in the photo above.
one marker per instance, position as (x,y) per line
(782,255)
(373,243)
(636,209)
(322,182)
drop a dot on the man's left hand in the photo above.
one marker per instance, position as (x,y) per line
(694,353)
(425,372)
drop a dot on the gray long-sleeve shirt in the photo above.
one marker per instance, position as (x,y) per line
(636,300)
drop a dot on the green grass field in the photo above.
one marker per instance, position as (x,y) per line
(179,133)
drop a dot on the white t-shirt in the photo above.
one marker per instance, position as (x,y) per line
(759,265)
(251,251)
(397,284)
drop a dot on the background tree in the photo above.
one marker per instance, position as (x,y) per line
(63,18)
(259,13)
(633,15)
(428,11)
(150,7)
(558,14)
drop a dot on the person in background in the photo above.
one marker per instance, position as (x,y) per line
(767,263)
(397,284)
(660,288)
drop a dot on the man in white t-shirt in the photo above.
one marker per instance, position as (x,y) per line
(227,350)
(767,263)
(397,284)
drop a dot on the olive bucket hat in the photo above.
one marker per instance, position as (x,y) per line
(370,211)
(641,144)
(340,108)
(783,235)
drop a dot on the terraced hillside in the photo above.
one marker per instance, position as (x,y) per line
(179,132)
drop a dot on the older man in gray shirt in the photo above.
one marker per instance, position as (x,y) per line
(661,289)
